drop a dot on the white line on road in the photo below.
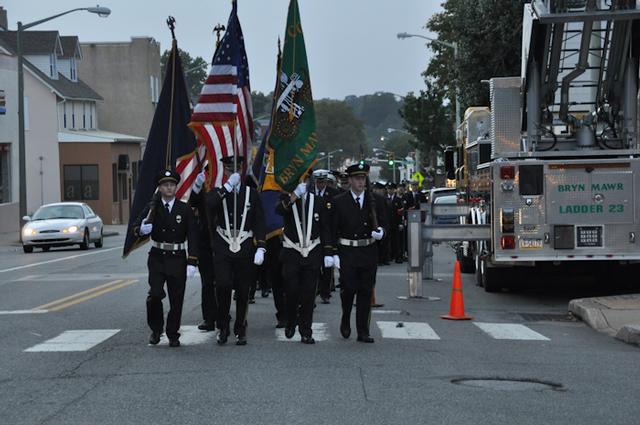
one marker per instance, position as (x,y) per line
(9,312)
(408,330)
(386,311)
(510,331)
(79,340)
(71,257)
(320,333)
(190,335)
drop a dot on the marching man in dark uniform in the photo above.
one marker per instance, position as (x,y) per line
(235,252)
(357,225)
(306,236)
(170,222)
(208,304)
(322,191)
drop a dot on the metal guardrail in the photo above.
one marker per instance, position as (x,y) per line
(421,236)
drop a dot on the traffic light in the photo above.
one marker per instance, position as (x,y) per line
(391,159)
(361,162)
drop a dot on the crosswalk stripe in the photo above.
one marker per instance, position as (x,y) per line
(407,330)
(76,340)
(191,335)
(320,333)
(511,331)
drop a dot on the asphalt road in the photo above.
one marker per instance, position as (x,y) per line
(409,376)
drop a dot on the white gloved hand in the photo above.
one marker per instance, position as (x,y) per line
(145,228)
(200,179)
(336,261)
(232,182)
(191,270)
(258,258)
(328,261)
(300,190)
(377,234)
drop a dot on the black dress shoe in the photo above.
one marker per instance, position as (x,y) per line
(252,300)
(365,338)
(154,339)
(175,342)
(222,336)
(206,325)
(325,300)
(242,340)
(281,324)
(308,340)
(345,329)
(289,332)
(265,293)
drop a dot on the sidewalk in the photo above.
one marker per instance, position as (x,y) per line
(13,238)
(618,316)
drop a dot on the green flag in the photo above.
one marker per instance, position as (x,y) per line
(292,138)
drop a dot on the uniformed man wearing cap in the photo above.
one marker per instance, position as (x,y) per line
(171,223)
(238,244)
(322,191)
(306,236)
(358,222)
(343,179)
(396,217)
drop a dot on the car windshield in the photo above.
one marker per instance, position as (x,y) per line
(58,211)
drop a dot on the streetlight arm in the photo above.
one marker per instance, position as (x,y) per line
(454,46)
(98,10)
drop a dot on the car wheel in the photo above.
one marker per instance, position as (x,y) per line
(99,242)
(46,248)
(27,249)
(85,240)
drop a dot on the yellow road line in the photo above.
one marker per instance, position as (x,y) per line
(52,304)
(93,295)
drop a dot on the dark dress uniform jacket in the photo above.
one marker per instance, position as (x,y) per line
(177,226)
(254,221)
(320,229)
(352,222)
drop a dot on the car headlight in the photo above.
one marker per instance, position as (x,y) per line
(71,229)
(28,231)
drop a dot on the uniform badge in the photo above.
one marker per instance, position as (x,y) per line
(328,205)
(167,173)
(178,218)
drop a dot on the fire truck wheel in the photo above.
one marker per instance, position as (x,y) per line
(467,264)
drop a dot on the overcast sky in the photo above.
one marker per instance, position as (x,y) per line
(351,44)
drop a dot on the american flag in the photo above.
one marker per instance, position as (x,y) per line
(223,117)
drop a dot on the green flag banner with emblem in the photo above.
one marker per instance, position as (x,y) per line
(292,138)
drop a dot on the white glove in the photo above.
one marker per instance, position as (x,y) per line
(232,182)
(258,259)
(191,270)
(377,234)
(197,185)
(336,261)
(300,190)
(328,261)
(145,228)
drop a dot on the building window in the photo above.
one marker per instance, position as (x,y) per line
(64,114)
(114,181)
(81,183)
(72,69)
(92,113)
(73,116)
(5,174)
(134,173)
(84,115)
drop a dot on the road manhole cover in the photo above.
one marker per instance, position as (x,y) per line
(508,384)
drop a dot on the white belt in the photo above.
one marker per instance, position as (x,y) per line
(356,242)
(238,235)
(168,246)
(304,251)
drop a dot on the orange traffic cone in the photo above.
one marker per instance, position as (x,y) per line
(456,310)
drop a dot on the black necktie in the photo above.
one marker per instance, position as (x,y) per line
(166,207)
(358,202)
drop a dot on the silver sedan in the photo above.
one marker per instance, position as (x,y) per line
(62,224)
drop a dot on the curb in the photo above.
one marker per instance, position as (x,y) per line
(629,334)
(591,315)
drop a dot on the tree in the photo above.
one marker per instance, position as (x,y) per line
(195,70)
(430,122)
(488,34)
(261,104)
(338,128)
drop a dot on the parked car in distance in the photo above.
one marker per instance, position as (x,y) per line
(446,200)
(62,224)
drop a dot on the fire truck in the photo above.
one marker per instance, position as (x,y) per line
(553,166)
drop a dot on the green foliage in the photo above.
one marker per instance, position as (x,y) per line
(378,112)
(488,34)
(195,70)
(261,104)
(337,127)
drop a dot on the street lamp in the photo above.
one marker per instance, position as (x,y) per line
(103,12)
(328,156)
(454,46)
